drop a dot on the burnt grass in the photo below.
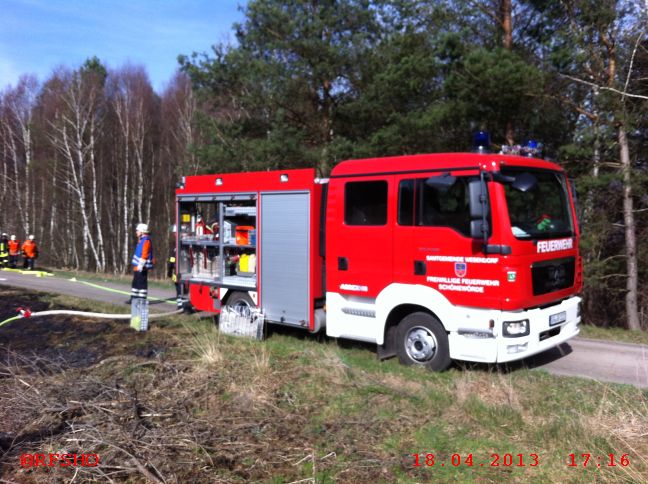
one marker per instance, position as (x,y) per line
(168,405)
(184,403)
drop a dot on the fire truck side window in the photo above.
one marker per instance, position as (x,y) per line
(365,203)
(425,206)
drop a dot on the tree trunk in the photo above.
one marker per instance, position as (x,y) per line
(506,10)
(632,281)
(588,210)
(506,19)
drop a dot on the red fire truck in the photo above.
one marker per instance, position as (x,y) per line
(431,257)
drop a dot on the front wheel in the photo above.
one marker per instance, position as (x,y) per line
(421,340)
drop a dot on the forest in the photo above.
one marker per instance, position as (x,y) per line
(92,150)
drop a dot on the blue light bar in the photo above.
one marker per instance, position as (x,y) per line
(481,142)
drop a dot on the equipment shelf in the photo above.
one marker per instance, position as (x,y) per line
(240,281)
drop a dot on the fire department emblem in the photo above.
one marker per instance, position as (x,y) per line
(460,269)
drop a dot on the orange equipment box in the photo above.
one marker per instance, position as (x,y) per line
(243,234)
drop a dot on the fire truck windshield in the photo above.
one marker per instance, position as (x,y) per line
(541,212)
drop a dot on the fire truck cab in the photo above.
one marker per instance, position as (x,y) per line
(431,257)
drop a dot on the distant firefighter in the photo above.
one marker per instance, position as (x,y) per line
(30,253)
(4,250)
(14,251)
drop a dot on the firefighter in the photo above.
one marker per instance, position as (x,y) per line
(4,250)
(14,251)
(30,253)
(171,272)
(142,261)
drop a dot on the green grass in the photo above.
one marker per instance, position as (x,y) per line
(614,334)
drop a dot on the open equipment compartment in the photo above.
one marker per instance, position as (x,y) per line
(209,251)
(262,239)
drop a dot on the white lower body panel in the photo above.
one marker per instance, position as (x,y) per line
(497,348)
(352,317)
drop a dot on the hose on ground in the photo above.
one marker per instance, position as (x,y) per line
(26,313)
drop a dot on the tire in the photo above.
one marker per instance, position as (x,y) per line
(241,302)
(421,340)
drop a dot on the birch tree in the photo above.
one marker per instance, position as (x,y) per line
(74,133)
(16,132)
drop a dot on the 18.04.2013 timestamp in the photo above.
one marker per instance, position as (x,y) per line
(518,460)
(468,460)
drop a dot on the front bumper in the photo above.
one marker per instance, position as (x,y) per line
(495,348)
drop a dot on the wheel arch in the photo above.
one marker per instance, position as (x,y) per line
(396,315)
(397,301)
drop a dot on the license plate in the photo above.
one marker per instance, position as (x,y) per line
(555,319)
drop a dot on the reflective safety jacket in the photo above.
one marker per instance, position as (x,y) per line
(14,247)
(30,249)
(171,264)
(4,249)
(143,257)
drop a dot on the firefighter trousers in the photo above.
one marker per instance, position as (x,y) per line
(139,289)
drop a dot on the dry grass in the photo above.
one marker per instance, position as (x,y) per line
(496,390)
(186,404)
(204,343)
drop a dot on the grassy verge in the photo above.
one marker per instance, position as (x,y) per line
(124,279)
(185,403)
(614,334)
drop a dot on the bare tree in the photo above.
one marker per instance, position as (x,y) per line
(73,132)
(16,132)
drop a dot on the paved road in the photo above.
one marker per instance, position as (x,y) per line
(606,361)
(161,300)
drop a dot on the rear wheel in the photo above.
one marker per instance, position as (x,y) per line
(241,303)
(421,340)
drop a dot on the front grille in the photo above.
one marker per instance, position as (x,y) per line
(553,275)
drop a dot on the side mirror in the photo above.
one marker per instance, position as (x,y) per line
(477,199)
(478,229)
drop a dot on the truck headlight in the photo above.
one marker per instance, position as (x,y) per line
(515,329)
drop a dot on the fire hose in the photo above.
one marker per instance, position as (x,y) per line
(26,313)
(133,316)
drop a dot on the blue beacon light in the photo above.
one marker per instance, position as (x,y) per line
(481,142)
(533,148)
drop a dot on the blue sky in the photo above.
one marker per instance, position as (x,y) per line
(36,36)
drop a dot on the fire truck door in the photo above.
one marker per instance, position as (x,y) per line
(361,245)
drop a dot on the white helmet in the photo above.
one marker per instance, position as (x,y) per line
(142,228)
(31,237)
(4,234)
(13,237)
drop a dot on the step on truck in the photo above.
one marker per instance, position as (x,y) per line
(433,257)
